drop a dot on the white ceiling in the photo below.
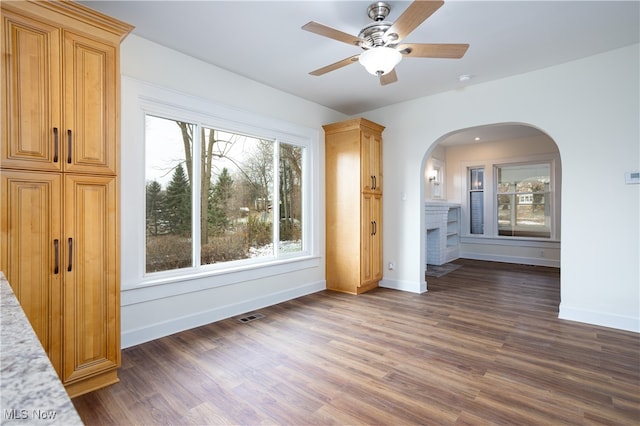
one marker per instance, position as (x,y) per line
(491,133)
(262,40)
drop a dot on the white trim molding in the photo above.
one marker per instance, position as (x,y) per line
(403,285)
(603,319)
(177,324)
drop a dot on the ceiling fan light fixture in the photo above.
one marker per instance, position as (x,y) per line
(380,60)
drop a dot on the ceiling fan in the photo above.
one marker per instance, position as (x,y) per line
(380,40)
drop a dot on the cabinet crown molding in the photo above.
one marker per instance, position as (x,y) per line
(72,11)
(356,123)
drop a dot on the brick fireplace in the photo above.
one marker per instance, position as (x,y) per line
(442,223)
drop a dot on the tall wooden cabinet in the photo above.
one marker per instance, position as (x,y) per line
(353,157)
(59,193)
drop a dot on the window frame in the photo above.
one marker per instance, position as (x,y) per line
(490,198)
(471,190)
(141,99)
(549,202)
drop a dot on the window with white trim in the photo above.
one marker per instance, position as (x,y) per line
(512,200)
(523,197)
(215,195)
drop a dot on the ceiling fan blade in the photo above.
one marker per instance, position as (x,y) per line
(388,78)
(416,14)
(325,31)
(336,65)
(430,50)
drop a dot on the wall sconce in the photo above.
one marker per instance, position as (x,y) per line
(433,176)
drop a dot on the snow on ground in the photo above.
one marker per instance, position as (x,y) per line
(267,250)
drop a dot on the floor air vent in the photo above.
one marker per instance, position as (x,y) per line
(250,318)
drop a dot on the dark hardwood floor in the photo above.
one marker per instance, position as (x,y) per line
(483,346)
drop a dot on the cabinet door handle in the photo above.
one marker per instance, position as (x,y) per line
(69,145)
(373,231)
(375,227)
(56,246)
(55,144)
(70,254)
(375,182)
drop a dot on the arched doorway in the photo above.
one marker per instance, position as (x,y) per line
(493,193)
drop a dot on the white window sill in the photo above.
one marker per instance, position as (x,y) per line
(510,241)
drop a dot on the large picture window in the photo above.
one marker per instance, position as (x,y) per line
(215,196)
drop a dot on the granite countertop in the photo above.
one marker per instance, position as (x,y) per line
(30,390)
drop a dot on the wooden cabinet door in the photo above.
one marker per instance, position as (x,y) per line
(371,239)
(31,90)
(91,97)
(91,293)
(31,253)
(376,240)
(371,154)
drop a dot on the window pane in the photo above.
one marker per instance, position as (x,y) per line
(476,200)
(477,212)
(523,200)
(523,178)
(168,194)
(290,198)
(505,221)
(236,194)
(476,179)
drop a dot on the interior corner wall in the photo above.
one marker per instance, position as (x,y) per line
(144,318)
(590,108)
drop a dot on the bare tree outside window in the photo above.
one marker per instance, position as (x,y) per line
(236,199)
(290,198)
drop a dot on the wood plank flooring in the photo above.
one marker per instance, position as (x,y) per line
(483,346)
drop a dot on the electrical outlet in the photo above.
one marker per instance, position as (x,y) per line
(392,266)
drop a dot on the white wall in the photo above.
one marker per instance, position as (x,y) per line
(590,108)
(149,312)
(528,252)
(437,159)
(148,61)
(457,156)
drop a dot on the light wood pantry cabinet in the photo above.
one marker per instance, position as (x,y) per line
(353,157)
(60,94)
(59,159)
(31,251)
(91,276)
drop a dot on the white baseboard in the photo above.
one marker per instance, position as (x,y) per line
(599,318)
(165,328)
(535,261)
(410,286)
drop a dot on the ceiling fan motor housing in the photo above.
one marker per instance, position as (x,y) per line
(378,11)
(377,58)
(374,33)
